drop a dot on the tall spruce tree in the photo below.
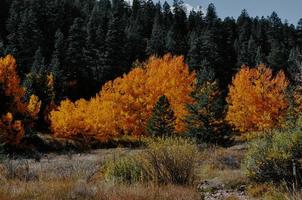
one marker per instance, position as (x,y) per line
(156,44)
(252,51)
(75,68)
(299,33)
(277,58)
(203,47)
(176,42)
(4,11)
(162,121)
(114,56)
(260,57)
(295,65)
(29,39)
(135,42)
(57,62)
(205,119)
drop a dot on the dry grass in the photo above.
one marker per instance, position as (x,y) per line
(81,189)
(75,177)
(222,165)
(272,192)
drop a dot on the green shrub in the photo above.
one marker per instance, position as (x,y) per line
(170,160)
(163,161)
(272,159)
(125,169)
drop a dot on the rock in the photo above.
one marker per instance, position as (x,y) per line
(210,186)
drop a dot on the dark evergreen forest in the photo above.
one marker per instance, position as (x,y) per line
(85,43)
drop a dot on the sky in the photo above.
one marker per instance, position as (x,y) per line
(286,9)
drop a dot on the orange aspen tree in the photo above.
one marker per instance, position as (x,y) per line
(11,129)
(257,99)
(124,105)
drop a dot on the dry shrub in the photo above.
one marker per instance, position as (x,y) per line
(170,160)
(271,159)
(164,161)
(126,169)
(18,169)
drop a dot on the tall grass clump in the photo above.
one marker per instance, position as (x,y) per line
(163,161)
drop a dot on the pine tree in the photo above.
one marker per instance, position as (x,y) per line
(295,65)
(277,57)
(114,57)
(136,6)
(2,48)
(29,39)
(75,68)
(211,16)
(56,67)
(12,24)
(93,58)
(162,121)
(38,66)
(58,52)
(260,57)
(147,16)
(252,51)
(205,119)
(176,42)
(299,33)
(35,81)
(4,11)
(244,26)
(167,16)
(203,47)
(156,44)
(135,42)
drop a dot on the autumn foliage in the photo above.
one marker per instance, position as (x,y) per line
(11,101)
(257,99)
(13,109)
(124,105)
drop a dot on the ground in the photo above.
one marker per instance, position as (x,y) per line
(78,176)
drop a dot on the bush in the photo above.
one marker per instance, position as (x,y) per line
(170,160)
(164,161)
(272,159)
(124,170)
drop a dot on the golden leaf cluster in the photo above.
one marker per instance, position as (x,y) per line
(257,99)
(11,102)
(124,105)
(34,106)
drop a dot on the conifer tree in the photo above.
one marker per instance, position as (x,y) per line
(162,121)
(295,65)
(203,47)
(35,82)
(75,69)
(299,33)
(114,57)
(277,57)
(2,48)
(156,44)
(4,9)
(56,64)
(29,38)
(176,42)
(135,41)
(252,51)
(260,57)
(205,121)
(12,24)
(58,52)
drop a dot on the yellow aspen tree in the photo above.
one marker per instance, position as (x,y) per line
(256,99)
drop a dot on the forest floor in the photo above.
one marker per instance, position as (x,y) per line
(78,176)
